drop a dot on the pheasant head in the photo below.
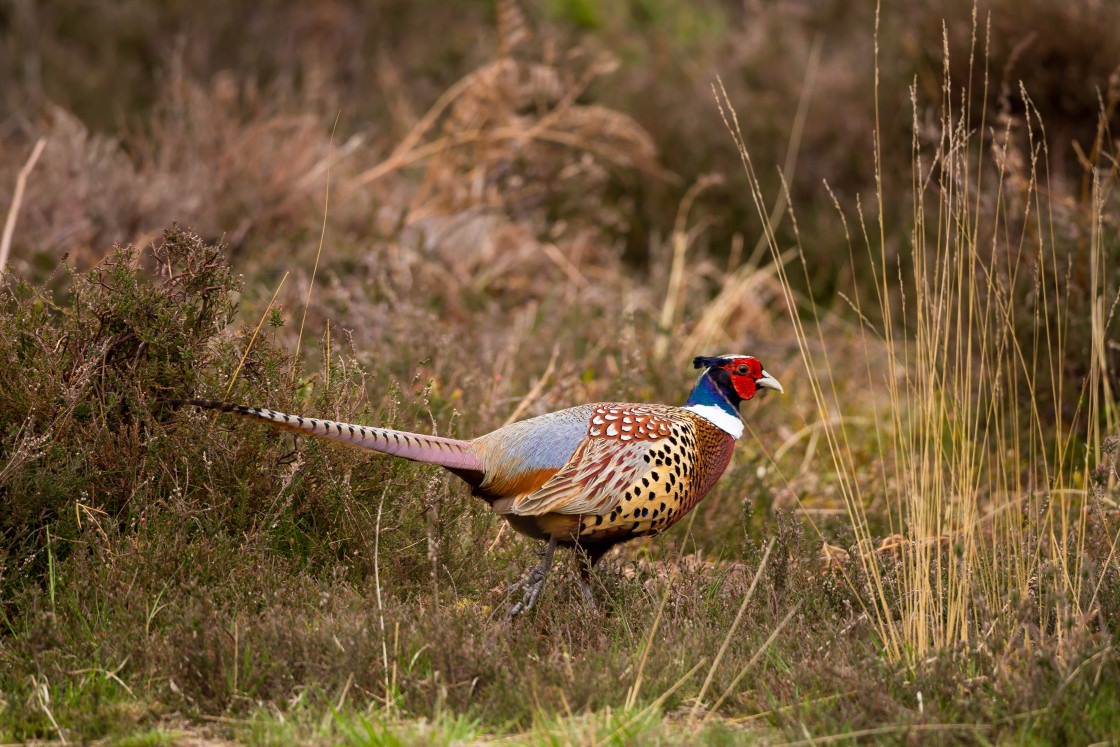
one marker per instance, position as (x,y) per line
(726,381)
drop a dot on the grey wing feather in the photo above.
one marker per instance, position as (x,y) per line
(544,443)
(593,481)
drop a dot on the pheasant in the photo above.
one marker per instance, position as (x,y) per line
(587,477)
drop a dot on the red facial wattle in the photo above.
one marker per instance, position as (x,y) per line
(744,386)
(743,372)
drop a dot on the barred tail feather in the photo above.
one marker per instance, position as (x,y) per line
(447,452)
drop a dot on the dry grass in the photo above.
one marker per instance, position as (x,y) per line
(990,496)
(922,542)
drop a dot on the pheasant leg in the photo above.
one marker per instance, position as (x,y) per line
(534,582)
(586,561)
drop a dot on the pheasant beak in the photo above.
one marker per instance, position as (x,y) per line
(766,381)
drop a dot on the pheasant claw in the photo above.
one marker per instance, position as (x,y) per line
(533,582)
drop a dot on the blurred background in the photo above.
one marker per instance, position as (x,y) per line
(453,215)
(486,155)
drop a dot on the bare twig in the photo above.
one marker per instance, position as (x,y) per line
(17,199)
(535,392)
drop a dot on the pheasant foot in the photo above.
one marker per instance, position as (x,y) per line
(533,582)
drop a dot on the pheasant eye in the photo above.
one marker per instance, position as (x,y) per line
(742,370)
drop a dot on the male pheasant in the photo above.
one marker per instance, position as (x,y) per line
(589,476)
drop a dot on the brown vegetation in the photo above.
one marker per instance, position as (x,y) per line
(540,205)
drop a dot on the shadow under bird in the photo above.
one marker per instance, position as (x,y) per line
(587,477)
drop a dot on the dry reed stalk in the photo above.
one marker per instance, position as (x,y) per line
(319,251)
(377,586)
(731,630)
(838,445)
(753,660)
(632,693)
(682,238)
(252,339)
(955,435)
(743,282)
(17,200)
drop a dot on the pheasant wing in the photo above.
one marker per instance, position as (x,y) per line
(593,482)
(611,459)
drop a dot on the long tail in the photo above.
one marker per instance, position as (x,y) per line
(448,452)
